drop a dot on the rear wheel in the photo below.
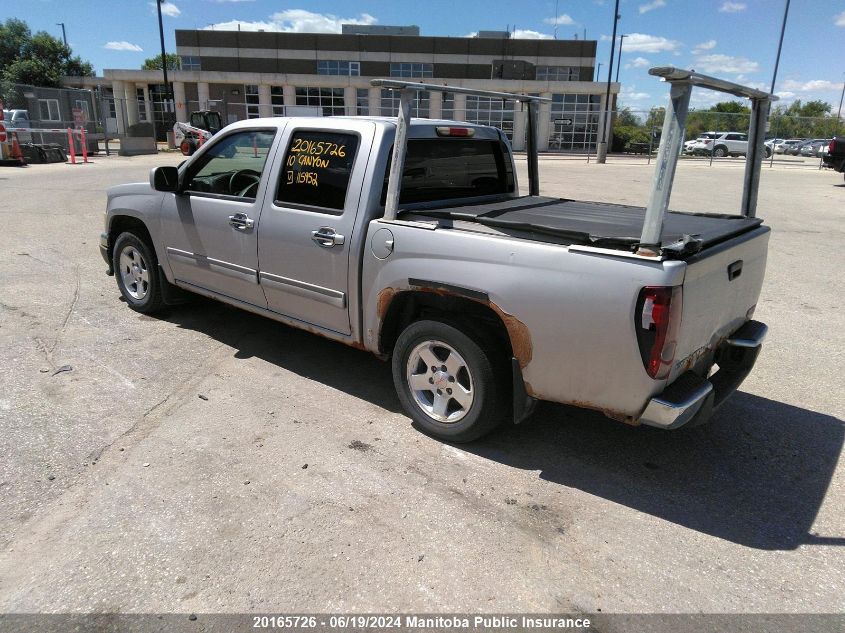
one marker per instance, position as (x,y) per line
(720,151)
(187,148)
(454,387)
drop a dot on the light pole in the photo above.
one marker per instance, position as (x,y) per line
(598,71)
(64,35)
(839,113)
(619,62)
(777,63)
(167,91)
(601,153)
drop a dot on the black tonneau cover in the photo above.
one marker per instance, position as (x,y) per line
(600,224)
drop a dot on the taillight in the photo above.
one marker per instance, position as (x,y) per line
(657,321)
(830,147)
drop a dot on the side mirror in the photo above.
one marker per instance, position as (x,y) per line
(165,178)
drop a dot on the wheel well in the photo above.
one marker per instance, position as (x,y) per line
(122,223)
(409,306)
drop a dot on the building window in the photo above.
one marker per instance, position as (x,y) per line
(491,111)
(558,73)
(447,109)
(338,67)
(575,122)
(277,100)
(411,69)
(390,103)
(142,104)
(251,99)
(329,99)
(81,104)
(363,102)
(49,109)
(189,62)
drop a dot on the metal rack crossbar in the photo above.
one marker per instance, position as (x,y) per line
(400,145)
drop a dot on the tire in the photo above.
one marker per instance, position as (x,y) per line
(187,148)
(768,152)
(475,369)
(136,271)
(720,152)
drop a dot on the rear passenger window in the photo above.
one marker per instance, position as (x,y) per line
(317,169)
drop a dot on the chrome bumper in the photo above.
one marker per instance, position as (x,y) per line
(691,398)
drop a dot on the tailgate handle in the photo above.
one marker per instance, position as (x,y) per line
(734,270)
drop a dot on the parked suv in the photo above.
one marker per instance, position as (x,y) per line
(724,144)
(18,119)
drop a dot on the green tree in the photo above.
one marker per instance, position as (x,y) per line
(154,63)
(40,59)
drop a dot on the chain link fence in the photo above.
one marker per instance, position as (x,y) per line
(722,137)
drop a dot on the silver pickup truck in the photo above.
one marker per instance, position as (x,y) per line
(410,239)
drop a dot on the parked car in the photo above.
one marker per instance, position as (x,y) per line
(835,155)
(486,301)
(784,146)
(814,147)
(798,148)
(721,144)
(18,119)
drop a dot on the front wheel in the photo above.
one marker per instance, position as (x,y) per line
(136,271)
(454,387)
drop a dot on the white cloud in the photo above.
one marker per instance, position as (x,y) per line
(123,45)
(638,62)
(840,19)
(230,1)
(630,94)
(559,20)
(651,6)
(526,34)
(785,94)
(814,85)
(167,8)
(718,63)
(642,43)
(295,21)
(704,46)
(732,7)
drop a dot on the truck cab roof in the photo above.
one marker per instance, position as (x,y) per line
(418,128)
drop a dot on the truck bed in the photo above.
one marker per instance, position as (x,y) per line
(600,224)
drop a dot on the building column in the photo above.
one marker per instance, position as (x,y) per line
(435,105)
(131,95)
(460,113)
(119,93)
(350,100)
(374,101)
(179,100)
(202,95)
(289,97)
(520,124)
(148,105)
(544,125)
(265,101)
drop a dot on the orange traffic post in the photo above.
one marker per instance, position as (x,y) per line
(16,149)
(71,146)
(84,145)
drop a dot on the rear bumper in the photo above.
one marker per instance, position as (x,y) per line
(691,399)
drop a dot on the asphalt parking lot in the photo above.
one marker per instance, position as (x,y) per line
(214,461)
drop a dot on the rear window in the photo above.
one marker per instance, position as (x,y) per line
(444,169)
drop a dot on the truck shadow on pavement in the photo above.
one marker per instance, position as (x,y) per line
(756,476)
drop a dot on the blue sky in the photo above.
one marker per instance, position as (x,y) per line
(735,39)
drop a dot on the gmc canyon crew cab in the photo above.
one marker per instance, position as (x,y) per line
(410,239)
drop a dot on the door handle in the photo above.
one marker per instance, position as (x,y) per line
(241,221)
(326,237)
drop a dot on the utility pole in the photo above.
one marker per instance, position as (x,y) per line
(167,92)
(601,153)
(619,63)
(64,35)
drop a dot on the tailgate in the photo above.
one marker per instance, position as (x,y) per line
(721,285)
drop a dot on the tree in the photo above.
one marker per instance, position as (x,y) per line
(154,63)
(40,59)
